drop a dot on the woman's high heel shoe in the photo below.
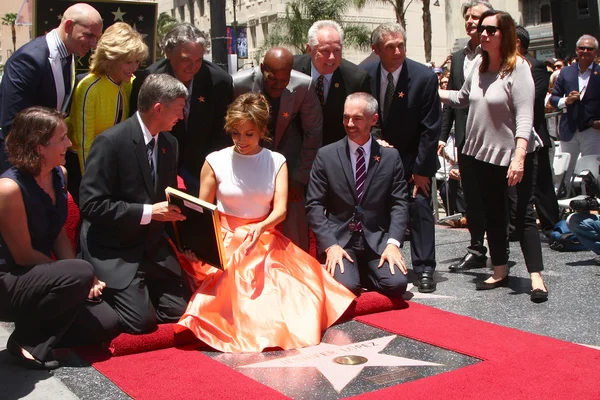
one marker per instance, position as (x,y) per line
(30,363)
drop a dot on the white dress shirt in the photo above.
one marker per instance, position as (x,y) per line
(583,79)
(147,214)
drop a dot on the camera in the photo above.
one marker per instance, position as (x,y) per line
(587,204)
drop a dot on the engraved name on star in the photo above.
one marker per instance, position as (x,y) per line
(322,356)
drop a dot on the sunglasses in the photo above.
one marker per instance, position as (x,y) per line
(489,29)
(586,48)
(558,66)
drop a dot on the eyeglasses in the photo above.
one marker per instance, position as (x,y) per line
(558,66)
(586,48)
(489,29)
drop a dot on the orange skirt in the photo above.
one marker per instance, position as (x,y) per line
(276,296)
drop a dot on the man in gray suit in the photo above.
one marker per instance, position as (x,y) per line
(296,127)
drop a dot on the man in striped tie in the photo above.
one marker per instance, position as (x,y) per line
(357,205)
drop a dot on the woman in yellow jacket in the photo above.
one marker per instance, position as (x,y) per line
(101,98)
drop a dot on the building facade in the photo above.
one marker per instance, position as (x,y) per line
(23,32)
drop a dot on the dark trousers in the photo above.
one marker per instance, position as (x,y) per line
(474,207)
(155,295)
(492,184)
(546,203)
(48,305)
(4,164)
(422,232)
(74,174)
(365,273)
(452,196)
(522,215)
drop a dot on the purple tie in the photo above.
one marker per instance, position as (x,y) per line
(361,173)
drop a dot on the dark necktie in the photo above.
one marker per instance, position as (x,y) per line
(321,89)
(66,70)
(361,174)
(120,101)
(149,151)
(389,97)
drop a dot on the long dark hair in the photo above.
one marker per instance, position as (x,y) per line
(508,46)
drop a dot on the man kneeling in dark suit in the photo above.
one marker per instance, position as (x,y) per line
(357,205)
(125,211)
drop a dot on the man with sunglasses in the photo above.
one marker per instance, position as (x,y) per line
(578,90)
(357,205)
(462,64)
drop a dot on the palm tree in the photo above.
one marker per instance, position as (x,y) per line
(399,8)
(163,25)
(292,29)
(427,29)
(11,19)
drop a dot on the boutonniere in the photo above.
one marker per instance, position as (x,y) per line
(401,95)
(376,158)
(201,99)
(337,85)
(164,151)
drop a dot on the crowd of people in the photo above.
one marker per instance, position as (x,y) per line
(300,143)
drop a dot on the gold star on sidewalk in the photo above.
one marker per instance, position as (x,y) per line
(118,14)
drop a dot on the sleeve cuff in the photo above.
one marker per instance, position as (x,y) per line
(394,242)
(146,215)
(562,103)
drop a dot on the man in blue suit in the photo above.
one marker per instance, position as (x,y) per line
(578,89)
(409,104)
(42,72)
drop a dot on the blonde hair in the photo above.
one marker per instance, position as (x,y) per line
(249,107)
(118,43)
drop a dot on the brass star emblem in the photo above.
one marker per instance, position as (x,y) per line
(201,99)
(164,151)
(376,158)
(337,85)
(286,115)
(401,95)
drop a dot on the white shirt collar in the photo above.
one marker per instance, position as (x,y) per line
(59,45)
(354,146)
(146,133)
(395,74)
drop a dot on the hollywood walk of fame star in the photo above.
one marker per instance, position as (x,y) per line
(286,115)
(417,295)
(201,99)
(401,95)
(143,35)
(322,356)
(118,14)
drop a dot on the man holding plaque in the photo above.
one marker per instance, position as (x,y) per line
(357,205)
(125,212)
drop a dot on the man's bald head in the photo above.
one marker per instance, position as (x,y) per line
(276,69)
(80,28)
(278,58)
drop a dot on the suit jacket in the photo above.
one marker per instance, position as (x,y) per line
(331,197)
(347,79)
(31,78)
(211,94)
(582,113)
(413,126)
(453,115)
(114,188)
(541,79)
(299,126)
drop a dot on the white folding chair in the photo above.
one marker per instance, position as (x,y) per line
(560,165)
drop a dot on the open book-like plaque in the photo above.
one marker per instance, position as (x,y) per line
(201,230)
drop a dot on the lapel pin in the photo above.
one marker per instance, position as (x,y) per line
(337,85)
(401,94)
(376,158)
(164,151)
(201,99)
(286,115)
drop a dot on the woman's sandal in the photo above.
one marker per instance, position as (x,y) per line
(538,295)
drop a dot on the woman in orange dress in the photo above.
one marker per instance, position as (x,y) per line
(271,293)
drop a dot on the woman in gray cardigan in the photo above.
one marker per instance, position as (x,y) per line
(500,95)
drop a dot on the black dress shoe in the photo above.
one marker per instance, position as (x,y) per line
(483,285)
(469,261)
(426,283)
(538,296)
(15,350)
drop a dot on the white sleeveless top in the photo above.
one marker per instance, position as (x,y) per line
(245,183)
